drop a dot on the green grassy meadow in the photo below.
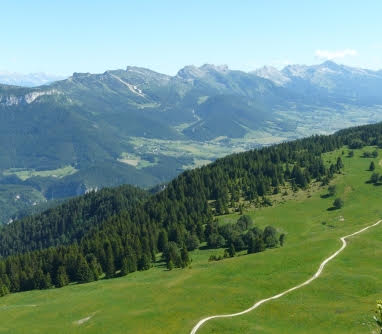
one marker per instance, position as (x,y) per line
(23,174)
(342,300)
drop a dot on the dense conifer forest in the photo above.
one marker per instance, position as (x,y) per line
(68,222)
(114,233)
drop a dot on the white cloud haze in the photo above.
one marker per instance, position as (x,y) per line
(339,54)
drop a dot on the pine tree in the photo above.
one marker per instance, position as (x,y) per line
(170,265)
(109,259)
(184,257)
(84,273)
(332,190)
(171,253)
(124,268)
(61,277)
(6,281)
(192,242)
(339,164)
(231,250)
(144,262)
(132,263)
(3,289)
(338,203)
(251,244)
(270,237)
(259,245)
(162,240)
(47,281)
(94,266)
(40,280)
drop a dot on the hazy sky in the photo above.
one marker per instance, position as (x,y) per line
(62,37)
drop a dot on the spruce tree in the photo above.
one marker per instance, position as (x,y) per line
(259,245)
(84,273)
(61,277)
(184,257)
(270,237)
(144,262)
(47,281)
(3,289)
(231,250)
(94,266)
(192,242)
(162,240)
(132,263)
(109,259)
(124,268)
(41,280)
(339,164)
(170,265)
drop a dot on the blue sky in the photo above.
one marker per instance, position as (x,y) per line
(62,37)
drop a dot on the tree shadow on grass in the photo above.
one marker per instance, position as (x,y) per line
(374,184)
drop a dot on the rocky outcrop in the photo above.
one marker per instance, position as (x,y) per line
(14,100)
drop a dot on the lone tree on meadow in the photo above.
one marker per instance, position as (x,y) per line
(339,164)
(372,166)
(374,178)
(332,190)
(338,203)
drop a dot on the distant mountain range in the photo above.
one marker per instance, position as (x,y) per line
(141,127)
(27,80)
(328,78)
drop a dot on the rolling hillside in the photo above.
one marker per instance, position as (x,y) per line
(172,301)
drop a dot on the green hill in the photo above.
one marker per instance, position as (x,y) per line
(162,301)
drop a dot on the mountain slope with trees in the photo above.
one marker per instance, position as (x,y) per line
(179,216)
(147,127)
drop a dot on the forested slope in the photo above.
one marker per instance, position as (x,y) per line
(184,210)
(67,222)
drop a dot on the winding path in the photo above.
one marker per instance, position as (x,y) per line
(310,280)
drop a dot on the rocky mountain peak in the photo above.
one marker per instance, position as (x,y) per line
(273,74)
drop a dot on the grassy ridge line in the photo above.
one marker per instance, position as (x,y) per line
(310,280)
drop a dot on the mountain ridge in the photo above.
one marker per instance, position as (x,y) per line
(139,126)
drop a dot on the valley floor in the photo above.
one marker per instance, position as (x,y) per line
(341,300)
